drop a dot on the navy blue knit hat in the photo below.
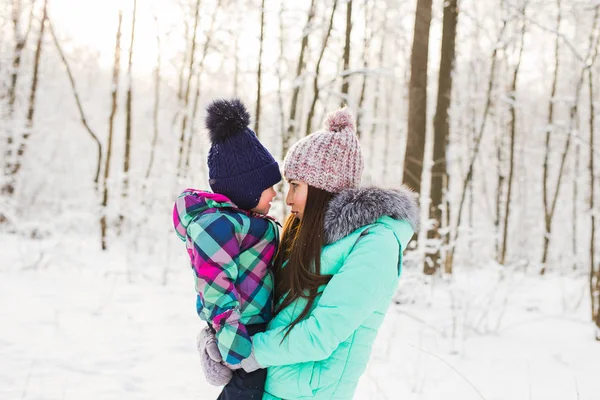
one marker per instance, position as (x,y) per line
(239,166)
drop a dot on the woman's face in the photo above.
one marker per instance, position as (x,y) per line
(296,197)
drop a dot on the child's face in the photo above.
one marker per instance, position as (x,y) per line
(296,197)
(264,204)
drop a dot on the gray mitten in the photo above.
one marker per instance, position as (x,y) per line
(248,364)
(215,372)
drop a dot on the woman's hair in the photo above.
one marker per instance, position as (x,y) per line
(301,245)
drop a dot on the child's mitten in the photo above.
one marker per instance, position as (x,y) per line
(215,373)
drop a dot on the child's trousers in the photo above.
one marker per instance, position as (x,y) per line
(244,385)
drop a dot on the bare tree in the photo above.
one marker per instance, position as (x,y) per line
(293,124)
(280,77)
(259,72)
(550,205)
(513,133)
(157,80)
(441,126)
(181,76)
(594,270)
(345,76)
(594,278)
(466,184)
(547,210)
(378,94)
(200,67)
(184,61)
(417,101)
(186,96)
(20,43)
(79,105)
(111,121)
(368,36)
(14,164)
(128,103)
(311,110)
(280,73)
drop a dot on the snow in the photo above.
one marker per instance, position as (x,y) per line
(79,326)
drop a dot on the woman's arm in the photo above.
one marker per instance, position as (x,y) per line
(368,277)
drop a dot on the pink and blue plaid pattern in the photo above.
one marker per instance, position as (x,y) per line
(231,251)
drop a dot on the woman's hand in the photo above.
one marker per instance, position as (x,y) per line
(215,372)
(248,364)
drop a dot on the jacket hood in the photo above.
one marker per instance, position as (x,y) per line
(193,202)
(354,208)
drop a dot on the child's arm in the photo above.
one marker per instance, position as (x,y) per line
(214,248)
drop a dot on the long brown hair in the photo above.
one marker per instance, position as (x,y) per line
(301,245)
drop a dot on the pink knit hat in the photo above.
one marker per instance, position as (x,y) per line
(329,159)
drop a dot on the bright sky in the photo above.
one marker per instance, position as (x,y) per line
(93,24)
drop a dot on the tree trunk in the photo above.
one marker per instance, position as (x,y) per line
(293,124)
(575,208)
(181,73)
(500,139)
(259,73)
(551,208)
(7,187)
(594,278)
(441,126)
(346,78)
(467,181)
(184,63)
(15,165)
(186,97)
(111,121)
(20,43)
(311,111)
(594,269)
(513,133)
(280,78)
(128,112)
(156,99)
(368,36)
(209,37)
(79,105)
(378,95)
(417,100)
(547,219)
(391,90)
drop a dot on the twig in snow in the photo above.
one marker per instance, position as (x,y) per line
(451,367)
(27,381)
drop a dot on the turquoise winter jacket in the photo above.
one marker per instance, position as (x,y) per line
(323,357)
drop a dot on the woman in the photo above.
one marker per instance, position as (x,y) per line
(336,271)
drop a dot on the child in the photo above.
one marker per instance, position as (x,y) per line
(231,243)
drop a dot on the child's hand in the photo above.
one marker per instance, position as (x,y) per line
(215,372)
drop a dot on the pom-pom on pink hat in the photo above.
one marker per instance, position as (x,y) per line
(329,159)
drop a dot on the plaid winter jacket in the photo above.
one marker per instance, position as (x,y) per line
(231,252)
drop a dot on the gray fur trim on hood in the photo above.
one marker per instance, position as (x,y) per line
(354,208)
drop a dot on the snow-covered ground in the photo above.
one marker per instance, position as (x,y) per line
(73,328)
